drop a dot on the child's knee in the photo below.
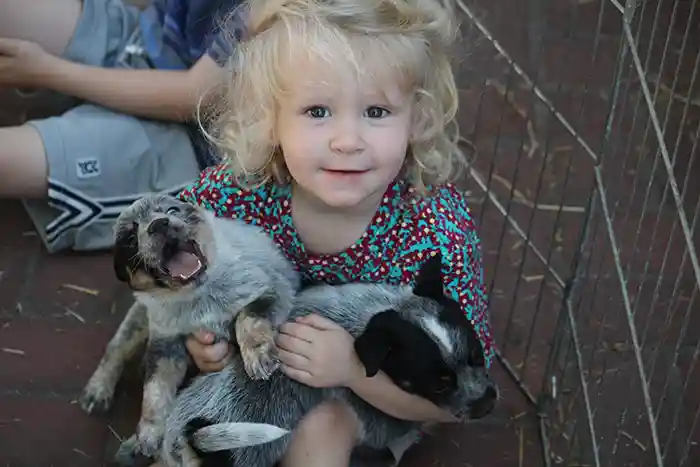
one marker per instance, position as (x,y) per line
(23,163)
(330,420)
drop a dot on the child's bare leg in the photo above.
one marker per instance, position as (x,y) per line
(324,438)
(51,26)
(23,166)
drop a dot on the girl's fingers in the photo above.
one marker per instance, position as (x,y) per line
(293,344)
(208,357)
(302,376)
(293,360)
(300,331)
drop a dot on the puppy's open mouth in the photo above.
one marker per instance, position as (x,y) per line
(183,261)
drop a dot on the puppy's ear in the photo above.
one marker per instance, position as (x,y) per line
(125,253)
(452,316)
(429,278)
(374,344)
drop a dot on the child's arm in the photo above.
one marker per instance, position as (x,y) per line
(159,94)
(380,392)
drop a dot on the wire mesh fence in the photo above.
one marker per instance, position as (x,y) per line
(585,115)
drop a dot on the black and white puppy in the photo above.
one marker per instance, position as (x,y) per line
(188,271)
(417,335)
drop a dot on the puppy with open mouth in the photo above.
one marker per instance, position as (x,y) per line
(189,271)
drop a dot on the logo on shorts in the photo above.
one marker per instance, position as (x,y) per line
(88,168)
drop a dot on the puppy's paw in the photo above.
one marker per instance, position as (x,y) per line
(256,340)
(96,397)
(129,455)
(150,437)
(260,357)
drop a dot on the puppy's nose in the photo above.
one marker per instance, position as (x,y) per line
(484,405)
(159,226)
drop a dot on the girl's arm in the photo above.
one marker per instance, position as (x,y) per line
(380,392)
(159,94)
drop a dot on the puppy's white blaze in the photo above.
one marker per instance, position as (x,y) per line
(224,436)
(439,332)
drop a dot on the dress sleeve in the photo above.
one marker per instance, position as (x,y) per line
(463,269)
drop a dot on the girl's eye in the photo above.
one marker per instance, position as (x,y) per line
(377,112)
(317,112)
(172,210)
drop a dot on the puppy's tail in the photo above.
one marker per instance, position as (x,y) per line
(205,437)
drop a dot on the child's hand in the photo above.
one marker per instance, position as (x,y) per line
(207,355)
(22,63)
(317,352)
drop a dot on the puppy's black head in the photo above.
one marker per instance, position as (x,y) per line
(406,354)
(403,350)
(429,284)
(157,243)
(429,348)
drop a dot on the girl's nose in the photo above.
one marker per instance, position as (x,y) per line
(348,137)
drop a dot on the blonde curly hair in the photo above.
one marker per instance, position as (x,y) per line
(413,37)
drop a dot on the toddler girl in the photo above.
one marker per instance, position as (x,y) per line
(340,140)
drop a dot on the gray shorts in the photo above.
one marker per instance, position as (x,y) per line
(100,161)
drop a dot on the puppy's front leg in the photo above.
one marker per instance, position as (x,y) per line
(166,366)
(255,336)
(131,334)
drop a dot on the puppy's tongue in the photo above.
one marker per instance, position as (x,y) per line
(183,264)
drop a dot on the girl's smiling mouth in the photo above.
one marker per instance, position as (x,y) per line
(342,172)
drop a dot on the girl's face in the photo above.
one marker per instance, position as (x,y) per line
(344,138)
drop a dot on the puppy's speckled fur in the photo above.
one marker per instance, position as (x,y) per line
(417,336)
(244,272)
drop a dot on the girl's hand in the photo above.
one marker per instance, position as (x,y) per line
(207,355)
(317,352)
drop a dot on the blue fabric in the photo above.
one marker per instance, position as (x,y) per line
(177,33)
